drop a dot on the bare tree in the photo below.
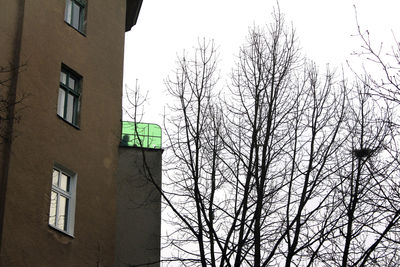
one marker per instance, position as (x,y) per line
(195,145)
(8,101)
(373,176)
(385,79)
(290,166)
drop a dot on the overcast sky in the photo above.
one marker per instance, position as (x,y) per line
(165,28)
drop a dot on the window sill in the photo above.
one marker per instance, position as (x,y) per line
(82,33)
(64,120)
(61,231)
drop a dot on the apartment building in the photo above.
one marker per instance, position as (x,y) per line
(61,85)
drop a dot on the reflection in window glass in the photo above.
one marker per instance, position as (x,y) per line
(62,213)
(71,83)
(75,15)
(55,177)
(70,108)
(53,208)
(64,182)
(68,11)
(60,106)
(63,78)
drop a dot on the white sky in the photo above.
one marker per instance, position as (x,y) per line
(165,28)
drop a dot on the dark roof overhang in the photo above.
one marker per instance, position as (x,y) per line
(132,13)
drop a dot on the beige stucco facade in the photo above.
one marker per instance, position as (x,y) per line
(35,37)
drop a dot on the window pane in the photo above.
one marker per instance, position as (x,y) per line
(77,110)
(83,20)
(70,108)
(71,83)
(53,208)
(61,100)
(64,182)
(68,11)
(55,177)
(62,213)
(63,78)
(75,15)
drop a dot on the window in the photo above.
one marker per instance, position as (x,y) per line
(62,200)
(69,95)
(75,14)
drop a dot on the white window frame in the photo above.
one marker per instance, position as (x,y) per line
(71,196)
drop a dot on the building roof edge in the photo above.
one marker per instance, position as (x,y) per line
(132,13)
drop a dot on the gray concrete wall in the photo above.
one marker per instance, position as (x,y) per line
(139,207)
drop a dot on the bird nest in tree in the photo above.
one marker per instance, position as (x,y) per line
(363,152)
